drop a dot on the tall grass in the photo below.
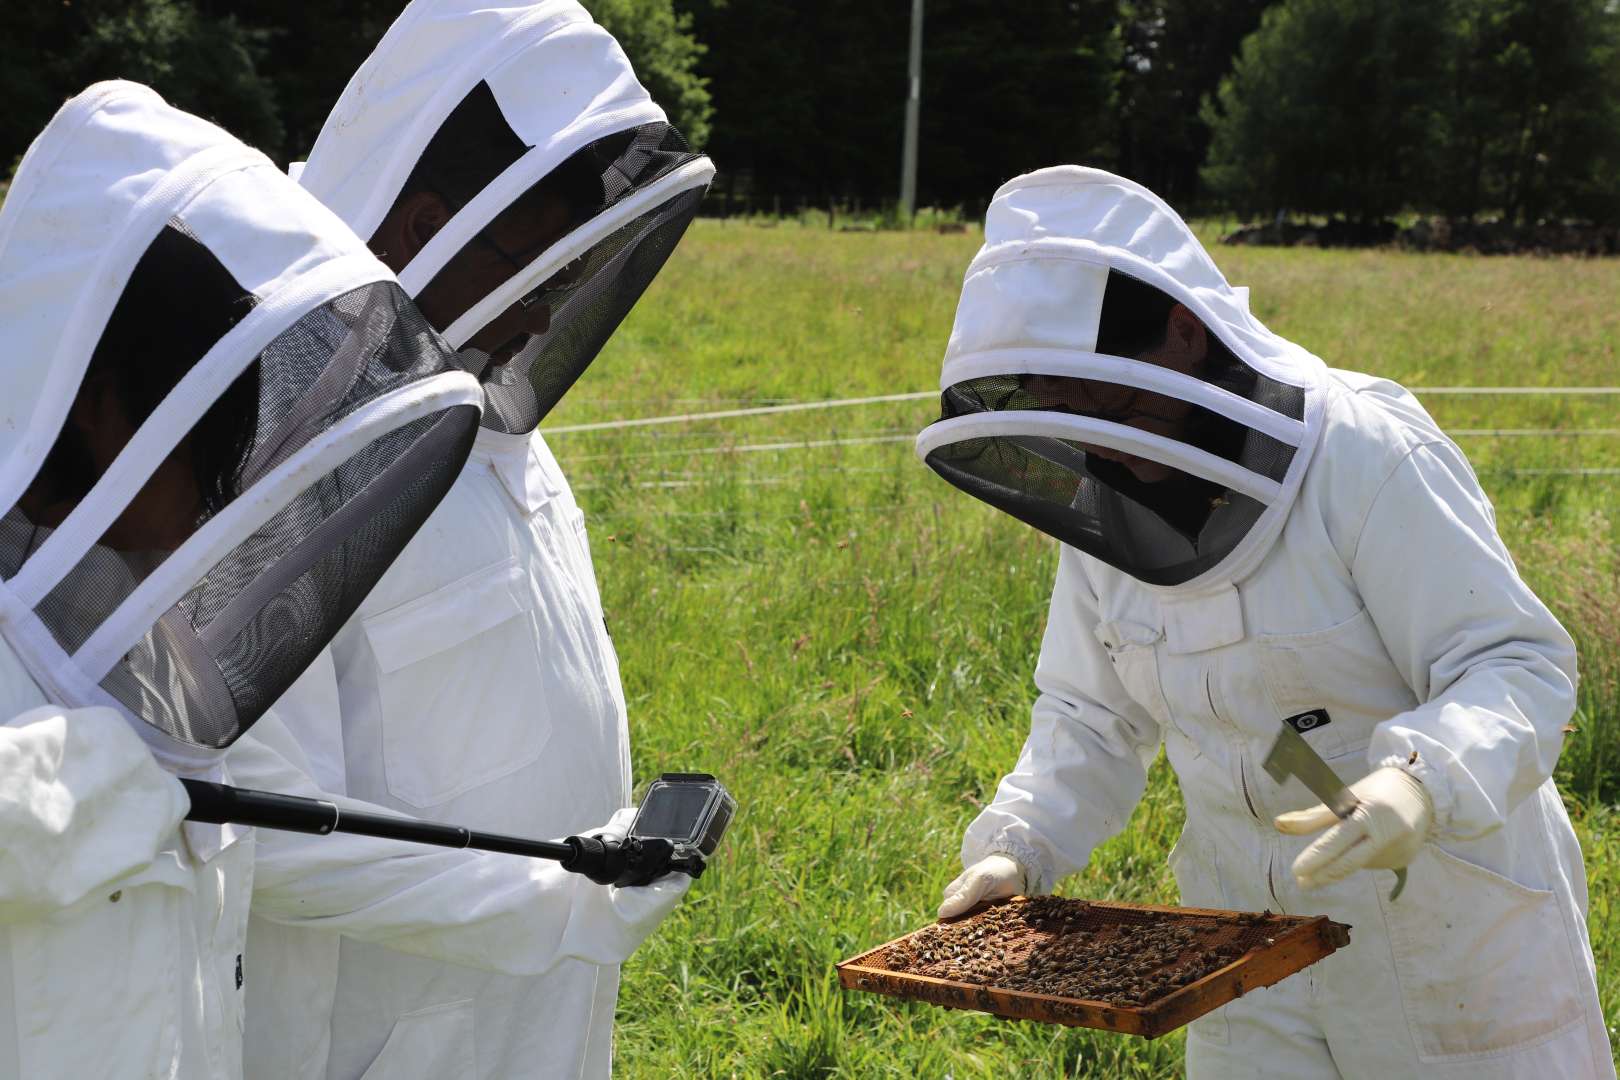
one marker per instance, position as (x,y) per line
(848,642)
(1576,572)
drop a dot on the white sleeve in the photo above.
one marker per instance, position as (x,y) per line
(1084,766)
(82,804)
(1494,670)
(498,912)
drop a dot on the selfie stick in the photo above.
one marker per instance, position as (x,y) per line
(631,861)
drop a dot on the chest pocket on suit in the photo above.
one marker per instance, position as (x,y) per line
(1343,669)
(462,697)
(1131,648)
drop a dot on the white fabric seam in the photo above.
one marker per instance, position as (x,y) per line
(687,177)
(145,220)
(1091,253)
(1104,433)
(1129,372)
(443,103)
(1372,503)
(530,168)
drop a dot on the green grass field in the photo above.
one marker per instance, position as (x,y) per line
(848,642)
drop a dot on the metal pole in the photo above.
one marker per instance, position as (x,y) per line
(221,804)
(908,156)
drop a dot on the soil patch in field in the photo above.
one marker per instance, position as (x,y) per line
(1067,948)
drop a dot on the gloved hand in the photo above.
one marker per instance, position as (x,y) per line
(609,922)
(1384,832)
(991,878)
(618,826)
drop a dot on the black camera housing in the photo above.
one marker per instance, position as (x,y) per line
(691,811)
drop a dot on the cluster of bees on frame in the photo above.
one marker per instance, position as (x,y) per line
(1050,945)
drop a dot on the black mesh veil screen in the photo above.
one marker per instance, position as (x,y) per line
(1164,535)
(256,618)
(1193,424)
(1140,483)
(234,644)
(610,280)
(588,299)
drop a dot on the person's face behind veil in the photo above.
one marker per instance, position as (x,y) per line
(149,344)
(1184,348)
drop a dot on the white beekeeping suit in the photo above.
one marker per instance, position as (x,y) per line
(1251,538)
(220,418)
(492,622)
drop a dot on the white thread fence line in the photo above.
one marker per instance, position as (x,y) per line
(788,478)
(749,402)
(749,448)
(922,395)
(673,440)
(909,437)
(728,414)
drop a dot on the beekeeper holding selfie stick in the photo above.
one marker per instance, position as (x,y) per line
(190,506)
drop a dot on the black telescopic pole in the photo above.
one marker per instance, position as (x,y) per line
(221,804)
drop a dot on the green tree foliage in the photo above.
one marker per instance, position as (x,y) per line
(1532,121)
(266,70)
(310,52)
(666,56)
(1464,107)
(809,98)
(798,108)
(1358,108)
(1011,89)
(1174,54)
(205,61)
(1330,107)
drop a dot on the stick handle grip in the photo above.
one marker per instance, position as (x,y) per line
(221,805)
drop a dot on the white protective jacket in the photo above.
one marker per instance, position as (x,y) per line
(122,929)
(477,684)
(1386,608)
(428,729)
(102,906)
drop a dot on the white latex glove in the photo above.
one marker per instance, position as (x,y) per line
(618,826)
(991,878)
(1384,832)
(642,907)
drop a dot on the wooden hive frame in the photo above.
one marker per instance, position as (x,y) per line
(1296,943)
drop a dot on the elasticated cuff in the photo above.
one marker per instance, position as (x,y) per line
(1038,876)
(1434,781)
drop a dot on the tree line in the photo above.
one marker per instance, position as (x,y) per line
(1358,109)
(268,70)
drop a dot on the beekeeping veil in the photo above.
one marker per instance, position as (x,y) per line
(553,104)
(252,345)
(1067,405)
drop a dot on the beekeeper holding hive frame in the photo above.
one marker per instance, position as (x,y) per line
(1251,538)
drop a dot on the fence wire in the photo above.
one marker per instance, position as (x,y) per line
(923,395)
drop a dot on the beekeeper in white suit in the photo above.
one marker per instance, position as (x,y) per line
(188,511)
(1251,538)
(508,164)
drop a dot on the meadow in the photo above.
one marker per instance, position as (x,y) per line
(804,609)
